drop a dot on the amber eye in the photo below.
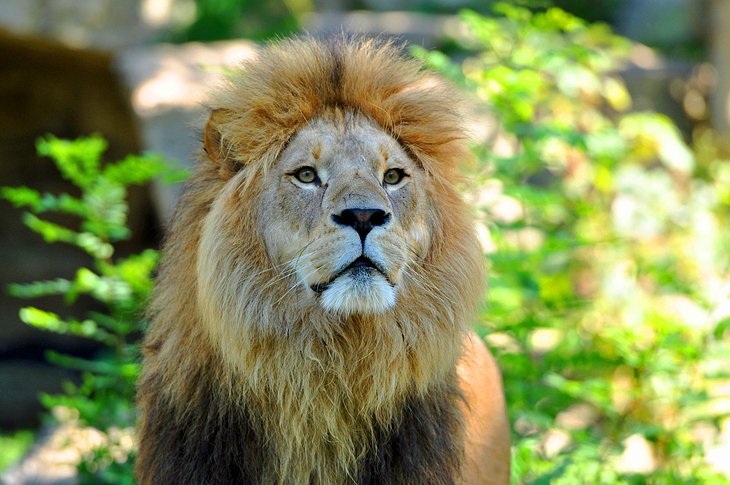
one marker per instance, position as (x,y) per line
(393,176)
(306,175)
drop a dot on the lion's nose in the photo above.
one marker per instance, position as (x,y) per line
(362,220)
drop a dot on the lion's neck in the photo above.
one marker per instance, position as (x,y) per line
(323,398)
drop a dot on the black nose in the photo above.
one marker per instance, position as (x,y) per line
(362,220)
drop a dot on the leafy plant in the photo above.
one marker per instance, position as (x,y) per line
(609,303)
(610,271)
(253,19)
(13,446)
(105,397)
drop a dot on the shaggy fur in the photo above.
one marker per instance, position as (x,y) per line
(245,379)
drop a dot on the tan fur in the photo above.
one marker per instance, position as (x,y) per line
(248,241)
(486,423)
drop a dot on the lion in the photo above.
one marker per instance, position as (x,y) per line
(310,322)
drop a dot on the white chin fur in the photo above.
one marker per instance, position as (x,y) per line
(348,295)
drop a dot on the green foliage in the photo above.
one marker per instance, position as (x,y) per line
(13,446)
(608,241)
(252,19)
(105,397)
(609,301)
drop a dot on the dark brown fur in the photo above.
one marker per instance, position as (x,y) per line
(424,448)
(206,441)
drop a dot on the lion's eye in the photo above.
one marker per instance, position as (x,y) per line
(306,175)
(393,176)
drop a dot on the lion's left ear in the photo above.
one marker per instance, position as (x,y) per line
(216,150)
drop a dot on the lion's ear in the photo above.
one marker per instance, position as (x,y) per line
(217,152)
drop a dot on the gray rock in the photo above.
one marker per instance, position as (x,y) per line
(168,86)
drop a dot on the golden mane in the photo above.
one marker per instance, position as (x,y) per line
(229,338)
(294,81)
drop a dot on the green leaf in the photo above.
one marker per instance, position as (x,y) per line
(25,197)
(439,62)
(94,246)
(100,367)
(135,169)
(512,12)
(22,197)
(117,325)
(77,160)
(51,232)
(594,391)
(37,289)
(137,271)
(556,19)
(13,446)
(107,289)
(108,208)
(51,322)
(175,175)
(664,137)
(721,328)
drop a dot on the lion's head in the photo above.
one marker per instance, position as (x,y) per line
(343,216)
(344,157)
(321,251)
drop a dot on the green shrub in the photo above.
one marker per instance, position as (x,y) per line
(608,247)
(105,397)
(13,446)
(608,241)
(251,19)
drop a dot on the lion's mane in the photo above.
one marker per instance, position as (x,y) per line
(239,380)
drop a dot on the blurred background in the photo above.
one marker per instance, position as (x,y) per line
(602,189)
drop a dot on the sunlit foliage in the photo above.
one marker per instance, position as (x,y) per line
(12,447)
(608,243)
(105,398)
(607,238)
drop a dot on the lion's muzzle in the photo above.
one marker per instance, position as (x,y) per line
(360,269)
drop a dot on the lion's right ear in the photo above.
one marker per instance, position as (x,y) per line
(216,150)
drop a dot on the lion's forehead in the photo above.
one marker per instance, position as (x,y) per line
(334,148)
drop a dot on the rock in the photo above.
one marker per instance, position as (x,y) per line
(417,28)
(168,85)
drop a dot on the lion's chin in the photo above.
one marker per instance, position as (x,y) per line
(357,293)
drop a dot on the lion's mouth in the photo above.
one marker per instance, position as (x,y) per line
(358,268)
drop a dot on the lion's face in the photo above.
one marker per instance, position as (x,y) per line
(344,213)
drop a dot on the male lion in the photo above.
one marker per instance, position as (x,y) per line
(310,324)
